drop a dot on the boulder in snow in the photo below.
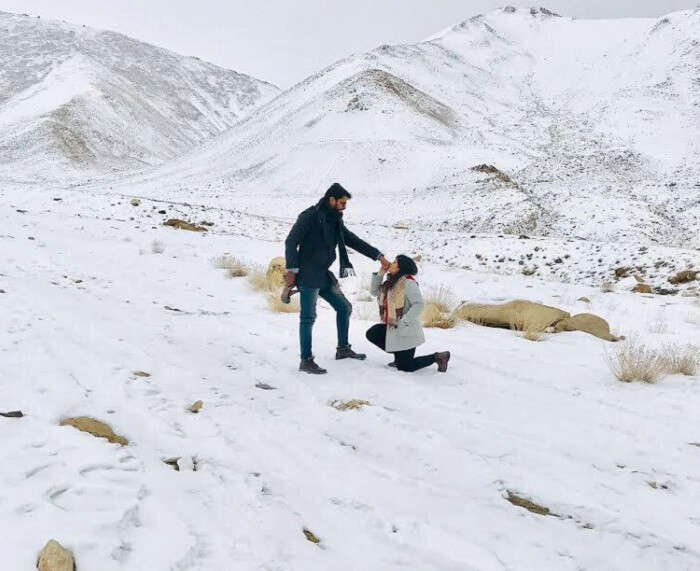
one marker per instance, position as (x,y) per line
(588,323)
(55,557)
(94,427)
(183,225)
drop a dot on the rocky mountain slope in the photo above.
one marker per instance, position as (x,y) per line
(516,122)
(77,102)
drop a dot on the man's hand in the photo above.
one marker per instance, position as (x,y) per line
(385,263)
(290,278)
(289,290)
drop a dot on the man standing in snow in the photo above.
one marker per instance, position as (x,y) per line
(310,251)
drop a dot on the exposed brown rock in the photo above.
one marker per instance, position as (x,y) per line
(511,315)
(142,374)
(94,427)
(642,288)
(494,171)
(310,536)
(352,404)
(265,387)
(184,225)
(584,299)
(529,505)
(588,323)
(665,291)
(173,463)
(683,277)
(54,557)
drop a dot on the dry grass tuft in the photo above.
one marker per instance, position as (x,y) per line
(274,303)
(353,404)
(693,318)
(270,279)
(634,361)
(433,317)
(258,281)
(234,267)
(659,327)
(607,287)
(439,305)
(441,297)
(681,359)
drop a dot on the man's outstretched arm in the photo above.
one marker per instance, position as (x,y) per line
(359,245)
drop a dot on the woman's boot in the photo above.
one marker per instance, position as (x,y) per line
(442,359)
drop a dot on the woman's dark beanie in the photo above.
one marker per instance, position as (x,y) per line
(407,267)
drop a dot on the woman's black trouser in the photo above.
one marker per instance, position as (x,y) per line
(405,360)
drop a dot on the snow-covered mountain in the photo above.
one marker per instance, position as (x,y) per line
(75,102)
(593,125)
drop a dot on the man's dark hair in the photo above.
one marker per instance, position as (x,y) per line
(336,191)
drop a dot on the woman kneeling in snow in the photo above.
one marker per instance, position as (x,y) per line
(400,307)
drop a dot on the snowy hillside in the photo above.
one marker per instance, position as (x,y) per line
(594,125)
(76,102)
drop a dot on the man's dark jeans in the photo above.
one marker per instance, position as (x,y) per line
(343,309)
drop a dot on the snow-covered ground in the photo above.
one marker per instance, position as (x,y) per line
(417,480)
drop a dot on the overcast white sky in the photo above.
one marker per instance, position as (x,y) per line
(283,41)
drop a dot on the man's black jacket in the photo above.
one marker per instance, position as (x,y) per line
(312,241)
